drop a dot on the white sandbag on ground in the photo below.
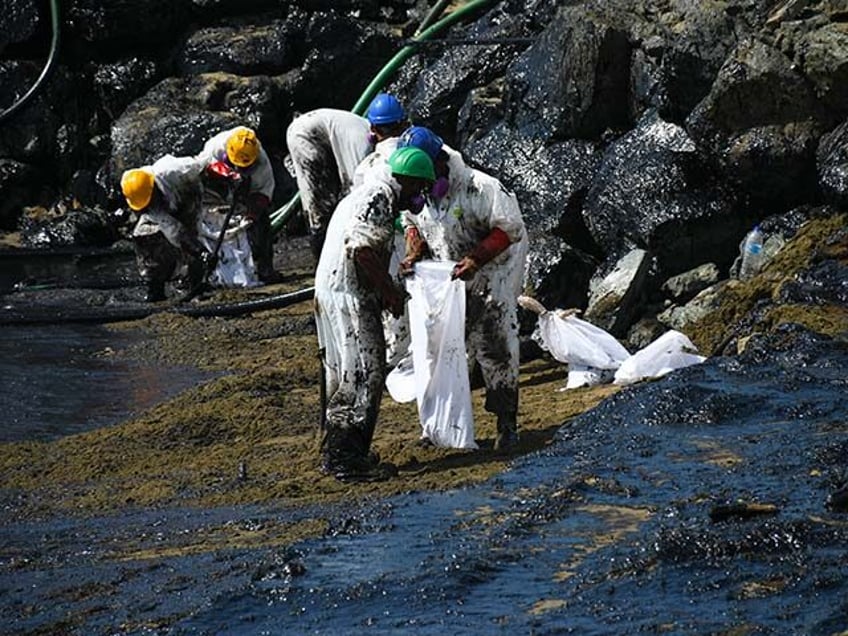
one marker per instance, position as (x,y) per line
(437,327)
(591,353)
(672,350)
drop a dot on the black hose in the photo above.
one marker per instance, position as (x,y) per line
(38,316)
(48,65)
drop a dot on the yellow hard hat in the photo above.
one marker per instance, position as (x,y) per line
(137,186)
(243,148)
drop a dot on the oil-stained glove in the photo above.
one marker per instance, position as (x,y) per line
(208,260)
(416,249)
(493,244)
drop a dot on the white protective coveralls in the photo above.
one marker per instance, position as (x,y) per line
(164,235)
(261,173)
(178,181)
(325,146)
(452,227)
(256,195)
(347,315)
(396,329)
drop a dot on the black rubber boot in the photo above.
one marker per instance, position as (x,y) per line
(345,458)
(507,438)
(155,291)
(261,241)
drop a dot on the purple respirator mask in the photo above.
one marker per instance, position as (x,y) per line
(440,188)
(416,203)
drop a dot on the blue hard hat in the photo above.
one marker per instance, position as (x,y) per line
(423,138)
(385,109)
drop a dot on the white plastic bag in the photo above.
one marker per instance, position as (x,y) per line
(672,350)
(235,267)
(401,381)
(580,376)
(591,353)
(437,327)
(577,342)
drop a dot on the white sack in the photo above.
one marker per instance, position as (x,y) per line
(673,350)
(235,267)
(401,381)
(581,376)
(437,326)
(577,342)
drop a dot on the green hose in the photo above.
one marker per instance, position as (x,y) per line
(280,216)
(48,65)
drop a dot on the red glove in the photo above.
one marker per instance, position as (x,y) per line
(222,170)
(495,242)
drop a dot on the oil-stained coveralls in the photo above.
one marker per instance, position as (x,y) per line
(348,308)
(257,191)
(325,146)
(164,236)
(454,227)
(396,329)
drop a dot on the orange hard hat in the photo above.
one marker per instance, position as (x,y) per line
(137,185)
(243,148)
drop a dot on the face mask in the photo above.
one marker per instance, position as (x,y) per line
(440,187)
(416,203)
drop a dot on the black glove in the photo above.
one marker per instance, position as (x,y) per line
(208,260)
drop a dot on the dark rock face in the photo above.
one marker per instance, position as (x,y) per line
(667,126)
(248,50)
(574,81)
(18,21)
(128,21)
(652,191)
(17,183)
(328,75)
(763,120)
(80,227)
(439,89)
(832,160)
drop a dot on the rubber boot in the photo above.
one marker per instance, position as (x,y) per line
(196,275)
(155,291)
(262,249)
(507,438)
(344,457)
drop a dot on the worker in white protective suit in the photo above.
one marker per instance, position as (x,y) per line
(241,150)
(166,198)
(325,147)
(396,329)
(474,220)
(352,288)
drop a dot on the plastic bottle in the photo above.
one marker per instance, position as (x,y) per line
(752,254)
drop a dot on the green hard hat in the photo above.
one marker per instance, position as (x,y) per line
(412,162)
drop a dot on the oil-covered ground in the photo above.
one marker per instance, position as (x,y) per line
(694,504)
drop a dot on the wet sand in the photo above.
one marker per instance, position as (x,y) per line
(251,435)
